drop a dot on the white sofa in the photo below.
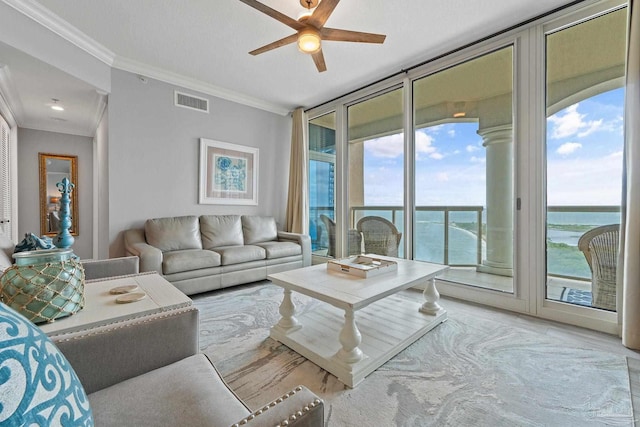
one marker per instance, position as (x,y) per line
(209,252)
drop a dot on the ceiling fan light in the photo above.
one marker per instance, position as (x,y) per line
(309,41)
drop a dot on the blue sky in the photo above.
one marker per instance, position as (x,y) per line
(584,159)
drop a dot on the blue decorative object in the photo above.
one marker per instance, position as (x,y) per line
(64,239)
(38,386)
(224,163)
(44,285)
(31,242)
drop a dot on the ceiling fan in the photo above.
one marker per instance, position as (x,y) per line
(310,30)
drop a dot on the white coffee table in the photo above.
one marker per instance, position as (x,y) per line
(386,324)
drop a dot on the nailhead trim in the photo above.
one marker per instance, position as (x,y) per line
(281,399)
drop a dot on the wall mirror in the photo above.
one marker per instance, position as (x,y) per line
(53,168)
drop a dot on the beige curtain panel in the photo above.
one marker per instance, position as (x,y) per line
(630,232)
(296,215)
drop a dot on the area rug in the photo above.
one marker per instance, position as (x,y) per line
(481,367)
(576,296)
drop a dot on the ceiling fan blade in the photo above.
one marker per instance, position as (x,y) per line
(276,44)
(333,34)
(318,58)
(322,13)
(274,14)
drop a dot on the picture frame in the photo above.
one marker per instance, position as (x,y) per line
(228,173)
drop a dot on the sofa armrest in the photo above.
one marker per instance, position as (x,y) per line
(136,245)
(100,269)
(300,408)
(109,354)
(301,239)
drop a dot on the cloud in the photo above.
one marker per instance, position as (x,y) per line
(570,122)
(594,181)
(452,133)
(424,145)
(475,159)
(392,146)
(568,148)
(472,148)
(387,146)
(442,177)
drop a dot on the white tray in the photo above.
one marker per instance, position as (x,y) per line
(362,265)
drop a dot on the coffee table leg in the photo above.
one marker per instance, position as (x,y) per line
(431,297)
(287,311)
(350,338)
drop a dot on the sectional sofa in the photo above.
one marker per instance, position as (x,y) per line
(208,252)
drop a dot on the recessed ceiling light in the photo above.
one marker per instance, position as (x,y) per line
(55,105)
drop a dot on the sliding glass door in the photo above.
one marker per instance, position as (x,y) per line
(376,175)
(322,168)
(464,174)
(502,160)
(584,143)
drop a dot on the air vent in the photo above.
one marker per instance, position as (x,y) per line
(192,102)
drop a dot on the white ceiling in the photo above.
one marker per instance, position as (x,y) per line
(206,44)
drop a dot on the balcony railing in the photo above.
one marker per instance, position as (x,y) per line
(454,235)
(435,246)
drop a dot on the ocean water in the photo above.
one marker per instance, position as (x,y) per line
(463,247)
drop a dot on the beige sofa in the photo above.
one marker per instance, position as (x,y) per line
(199,254)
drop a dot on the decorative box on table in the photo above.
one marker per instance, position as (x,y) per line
(362,265)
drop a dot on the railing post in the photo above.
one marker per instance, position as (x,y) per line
(446,236)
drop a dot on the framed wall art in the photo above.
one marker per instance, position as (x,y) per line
(228,173)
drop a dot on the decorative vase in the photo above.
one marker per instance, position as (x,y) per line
(44,285)
(64,239)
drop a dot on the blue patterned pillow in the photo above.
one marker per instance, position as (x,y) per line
(37,384)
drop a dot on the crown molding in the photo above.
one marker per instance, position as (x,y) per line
(62,28)
(59,26)
(100,106)
(136,67)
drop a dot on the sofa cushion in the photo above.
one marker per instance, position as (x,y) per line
(186,393)
(238,254)
(280,249)
(258,229)
(187,260)
(38,386)
(221,230)
(173,233)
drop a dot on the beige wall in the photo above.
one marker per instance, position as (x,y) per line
(154,148)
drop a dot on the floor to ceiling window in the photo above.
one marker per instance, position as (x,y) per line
(584,143)
(376,174)
(322,164)
(502,160)
(464,156)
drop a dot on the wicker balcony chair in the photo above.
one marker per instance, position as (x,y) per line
(600,247)
(355,238)
(380,235)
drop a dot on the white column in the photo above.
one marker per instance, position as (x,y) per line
(499,254)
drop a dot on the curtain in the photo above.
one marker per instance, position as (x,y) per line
(296,215)
(630,224)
